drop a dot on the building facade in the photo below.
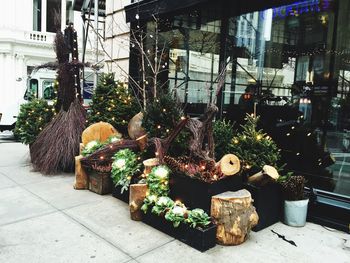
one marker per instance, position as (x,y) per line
(293,57)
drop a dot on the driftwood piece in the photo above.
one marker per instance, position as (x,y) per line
(234,215)
(162,145)
(136,197)
(202,129)
(81,178)
(268,174)
(229,164)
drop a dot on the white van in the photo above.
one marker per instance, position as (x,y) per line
(40,84)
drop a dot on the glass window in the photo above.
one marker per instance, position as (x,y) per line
(53,8)
(192,45)
(48,90)
(32,90)
(37,15)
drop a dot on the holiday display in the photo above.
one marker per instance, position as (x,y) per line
(55,148)
(234,215)
(112,102)
(91,147)
(32,119)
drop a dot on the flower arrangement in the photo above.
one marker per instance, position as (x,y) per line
(175,212)
(124,166)
(91,147)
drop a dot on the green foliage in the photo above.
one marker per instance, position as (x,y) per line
(148,202)
(163,204)
(124,166)
(91,147)
(32,118)
(112,102)
(293,188)
(162,115)
(177,214)
(197,217)
(223,133)
(254,147)
(158,181)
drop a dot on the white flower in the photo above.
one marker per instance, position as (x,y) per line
(179,210)
(162,201)
(161,172)
(120,164)
(91,144)
(152,198)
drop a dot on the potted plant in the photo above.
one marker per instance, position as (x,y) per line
(124,167)
(295,204)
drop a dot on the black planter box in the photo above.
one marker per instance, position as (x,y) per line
(197,194)
(198,238)
(100,183)
(268,202)
(116,192)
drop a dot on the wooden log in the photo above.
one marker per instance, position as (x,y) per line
(137,195)
(234,215)
(149,164)
(98,131)
(229,164)
(81,177)
(268,174)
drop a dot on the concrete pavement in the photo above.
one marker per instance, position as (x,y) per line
(43,219)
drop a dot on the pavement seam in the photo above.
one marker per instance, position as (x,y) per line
(96,234)
(153,249)
(28,218)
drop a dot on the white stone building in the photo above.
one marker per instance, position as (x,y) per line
(26,40)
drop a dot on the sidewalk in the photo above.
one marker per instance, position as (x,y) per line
(43,219)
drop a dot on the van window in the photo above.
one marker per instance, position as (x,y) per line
(48,90)
(32,90)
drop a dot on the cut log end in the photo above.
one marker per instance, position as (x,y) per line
(229,164)
(234,215)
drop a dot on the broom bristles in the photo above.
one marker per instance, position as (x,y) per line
(57,145)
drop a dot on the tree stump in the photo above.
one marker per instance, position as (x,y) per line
(234,215)
(149,164)
(137,195)
(81,178)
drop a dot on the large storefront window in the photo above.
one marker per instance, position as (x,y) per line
(293,60)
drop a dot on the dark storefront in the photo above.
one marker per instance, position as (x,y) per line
(296,54)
